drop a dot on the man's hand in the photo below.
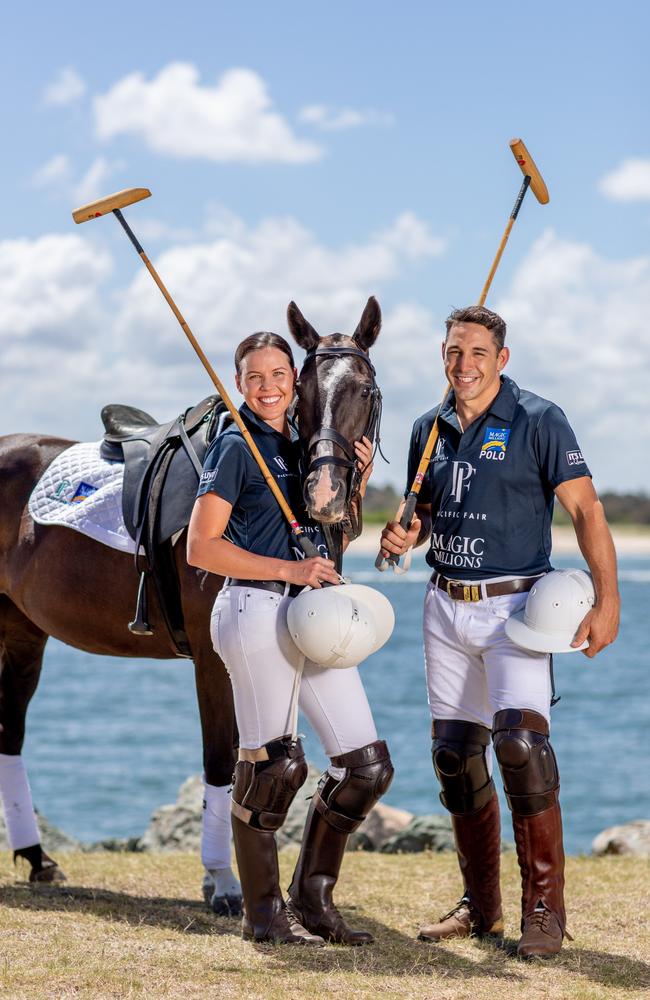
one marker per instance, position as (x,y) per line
(395,539)
(599,627)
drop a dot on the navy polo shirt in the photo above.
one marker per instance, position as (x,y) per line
(257,523)
(491,487)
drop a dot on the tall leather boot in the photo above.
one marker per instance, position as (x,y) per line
(541,860)
(478,843)
(337,809)
(532,784)
(266,782)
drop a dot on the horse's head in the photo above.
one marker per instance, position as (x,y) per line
(338,402)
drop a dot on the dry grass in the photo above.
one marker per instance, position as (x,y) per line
(134,926)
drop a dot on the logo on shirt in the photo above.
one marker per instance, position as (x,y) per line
(209,477)
(281,462)
(457,551)
(575,458)
(461,475)
(495,443)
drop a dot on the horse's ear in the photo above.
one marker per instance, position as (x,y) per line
(301,331)
(369,325)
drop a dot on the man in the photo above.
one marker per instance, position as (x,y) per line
(502,456)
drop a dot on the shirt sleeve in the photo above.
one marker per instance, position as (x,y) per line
(558,452)
(416,447)
(225,468)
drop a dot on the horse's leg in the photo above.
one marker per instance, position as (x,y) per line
(21,656)
(221,887)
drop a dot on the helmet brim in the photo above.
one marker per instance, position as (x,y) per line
(381,608)
(539,642)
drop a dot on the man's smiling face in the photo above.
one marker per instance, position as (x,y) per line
(473,364)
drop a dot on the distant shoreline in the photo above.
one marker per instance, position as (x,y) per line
(628,542)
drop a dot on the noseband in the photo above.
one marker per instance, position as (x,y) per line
(330,434)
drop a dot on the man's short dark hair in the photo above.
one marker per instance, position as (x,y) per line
(484,317)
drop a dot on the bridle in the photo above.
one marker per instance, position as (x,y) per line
(371,431)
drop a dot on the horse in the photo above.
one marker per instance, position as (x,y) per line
(44,572)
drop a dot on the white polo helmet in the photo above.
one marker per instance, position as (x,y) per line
(340,626)
(554,609)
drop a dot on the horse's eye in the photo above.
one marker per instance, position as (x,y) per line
(365,392)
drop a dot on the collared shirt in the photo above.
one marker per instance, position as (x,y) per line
(257,523)
(491,487)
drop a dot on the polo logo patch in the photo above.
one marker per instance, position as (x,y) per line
(82,492)
(495,443)
(575,458)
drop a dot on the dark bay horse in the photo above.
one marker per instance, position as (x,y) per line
(57,582)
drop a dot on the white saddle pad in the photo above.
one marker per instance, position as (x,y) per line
(80,490)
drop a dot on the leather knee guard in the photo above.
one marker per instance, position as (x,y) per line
(459,759)
(266,781)
(344,803)
(530,776)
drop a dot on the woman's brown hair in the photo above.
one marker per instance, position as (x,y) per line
(256,341)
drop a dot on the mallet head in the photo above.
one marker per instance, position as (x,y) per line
(105,205)
(527,164)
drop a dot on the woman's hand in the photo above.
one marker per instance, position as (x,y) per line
(363,450)
(311,572)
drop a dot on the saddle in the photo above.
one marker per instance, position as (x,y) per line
(162,467)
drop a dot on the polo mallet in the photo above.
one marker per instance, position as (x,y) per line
(532,179)
(114,203)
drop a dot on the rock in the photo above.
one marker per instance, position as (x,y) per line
(630,838)
(54,841)
(177,827)
(381,823)
(423,833)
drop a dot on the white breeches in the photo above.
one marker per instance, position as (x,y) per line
(249,632)
(473,669)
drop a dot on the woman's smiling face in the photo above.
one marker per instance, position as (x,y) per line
(266,381)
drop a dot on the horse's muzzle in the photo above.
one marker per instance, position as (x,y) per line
(325,495)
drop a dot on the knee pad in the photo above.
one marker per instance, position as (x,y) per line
(344,803)
(266,781)
(530,776)
(459,759)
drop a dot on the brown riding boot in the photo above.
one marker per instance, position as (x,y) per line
(266,782)
(337,808)
(541,860)
(265,914)
(478,843)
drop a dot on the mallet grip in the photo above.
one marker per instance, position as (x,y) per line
(383,562)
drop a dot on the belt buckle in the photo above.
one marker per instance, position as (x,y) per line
(471,593)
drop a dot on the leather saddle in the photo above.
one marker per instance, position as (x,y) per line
(162,467)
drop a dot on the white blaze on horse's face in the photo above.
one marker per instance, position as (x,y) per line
(326,485)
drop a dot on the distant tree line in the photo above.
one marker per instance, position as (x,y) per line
(381,502)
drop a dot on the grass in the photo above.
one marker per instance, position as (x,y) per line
(133,925)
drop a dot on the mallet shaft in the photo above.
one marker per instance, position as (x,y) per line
(305,543)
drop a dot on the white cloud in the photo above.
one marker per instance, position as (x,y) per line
(49,288)
(629,182)
(333,120)
(579,336)
(232,121)
(55,173)
(93,183)
(243,280)
(66,88)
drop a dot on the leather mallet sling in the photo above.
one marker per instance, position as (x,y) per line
(532,179)
(115,203)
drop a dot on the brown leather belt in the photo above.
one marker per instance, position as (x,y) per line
(459,591)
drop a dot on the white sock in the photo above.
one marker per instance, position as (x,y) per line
(16,796)
(216,828)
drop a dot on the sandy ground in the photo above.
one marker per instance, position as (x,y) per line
(628,543)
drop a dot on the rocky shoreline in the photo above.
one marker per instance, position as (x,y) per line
(177,827)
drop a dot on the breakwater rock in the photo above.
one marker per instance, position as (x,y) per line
(629,838)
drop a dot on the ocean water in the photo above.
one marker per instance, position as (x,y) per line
(109,740)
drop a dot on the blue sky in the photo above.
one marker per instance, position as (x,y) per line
(326,155)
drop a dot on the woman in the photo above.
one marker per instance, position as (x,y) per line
(238,531)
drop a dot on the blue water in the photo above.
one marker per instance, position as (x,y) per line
(110,740)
